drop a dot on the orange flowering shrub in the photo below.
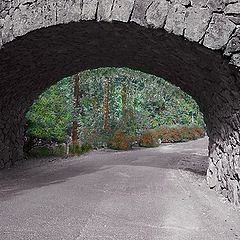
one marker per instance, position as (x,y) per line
(179,134)
(121,141)
(198,132)
(149,139)
(153,137)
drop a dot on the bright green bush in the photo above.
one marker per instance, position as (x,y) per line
(51,115)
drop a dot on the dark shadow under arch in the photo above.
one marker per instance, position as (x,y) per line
(32,63)
(44,56)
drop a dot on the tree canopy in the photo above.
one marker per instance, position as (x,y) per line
(136,102)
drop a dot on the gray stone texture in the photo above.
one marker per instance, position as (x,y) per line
(232,8)
(156,14)
(233,45)
(42,41)
(105,10)
(89,10)
(197,20)
(139,11)
(122,9)
(219,32)
(175,22)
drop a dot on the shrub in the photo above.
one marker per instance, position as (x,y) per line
(59,151)
(79,149)
(46,151)
(75,149)
(97,138)
(179,134)
(86,148)
(186,134)
(121,141)
(149,139)
(198,132)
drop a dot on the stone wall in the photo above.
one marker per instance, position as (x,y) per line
(189,43)
(211,23)
(11,136)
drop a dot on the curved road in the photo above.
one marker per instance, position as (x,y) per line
(149,194)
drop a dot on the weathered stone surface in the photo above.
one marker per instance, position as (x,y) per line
(235,19)
(181,17)
(233,45)
(200,3)
(212,171)
(42,41)
(197,20)
(7,30)
(175,22)
(184,2)
(1,23)
(105,10)
(122,10)
(235,59)
(216,5)
(139,11)
(89,9)
(156,14)
(232,8)
(67,11)
(219,32)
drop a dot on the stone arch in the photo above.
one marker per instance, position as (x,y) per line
(193,44)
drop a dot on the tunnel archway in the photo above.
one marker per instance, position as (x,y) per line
(44,41)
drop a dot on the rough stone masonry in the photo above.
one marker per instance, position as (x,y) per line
(195,44)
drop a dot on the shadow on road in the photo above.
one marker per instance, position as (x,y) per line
(187,156)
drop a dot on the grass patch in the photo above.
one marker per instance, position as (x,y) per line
(59,151)
(45,151)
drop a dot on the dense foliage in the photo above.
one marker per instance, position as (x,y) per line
(117,106)
(50,116)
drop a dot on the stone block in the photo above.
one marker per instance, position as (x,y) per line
(139,11)
(220,25)
(197,21)
(105,10)
(122,10)
(175,22)
(156,14)
(233,45)
(89,9)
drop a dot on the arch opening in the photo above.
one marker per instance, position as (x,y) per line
(32,63)
(94,107)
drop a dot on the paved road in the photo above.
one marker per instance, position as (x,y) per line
(142,194)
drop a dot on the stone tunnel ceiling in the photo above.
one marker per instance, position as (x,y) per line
(193,44)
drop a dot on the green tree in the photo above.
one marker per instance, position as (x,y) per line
(51,115)
(133,102)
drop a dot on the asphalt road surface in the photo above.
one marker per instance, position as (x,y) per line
(158,193)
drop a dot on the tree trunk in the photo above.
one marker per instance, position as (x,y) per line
(76,99)
(75,133)
(94,105)
(124,103)
(106,127)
